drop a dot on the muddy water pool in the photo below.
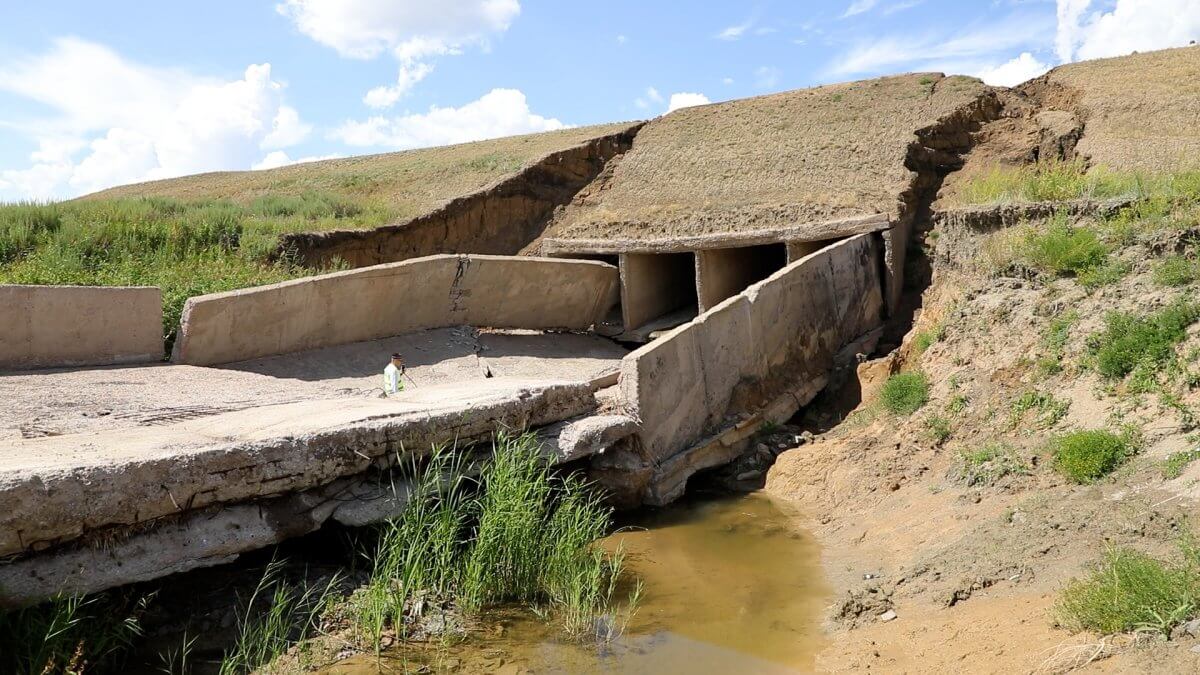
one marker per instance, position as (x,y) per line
(731,585)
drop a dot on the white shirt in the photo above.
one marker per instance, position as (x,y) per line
(391,379)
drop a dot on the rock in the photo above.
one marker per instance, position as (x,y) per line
(1195,649)
(806,436)
(749,475)
(1192,627)
(888,615)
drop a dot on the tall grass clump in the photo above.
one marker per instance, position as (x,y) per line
(905,393)
(277,615)
(1047,181)
(516,533)
(1087,456)
(1130,342)
(70,634)
(1131,591)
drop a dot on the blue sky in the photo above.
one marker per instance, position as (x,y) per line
(96,94)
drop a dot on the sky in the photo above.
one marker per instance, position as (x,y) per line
(95,94)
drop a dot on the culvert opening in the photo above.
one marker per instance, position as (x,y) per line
(658,291)
(723,273)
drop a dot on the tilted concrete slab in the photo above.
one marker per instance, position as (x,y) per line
(57,488)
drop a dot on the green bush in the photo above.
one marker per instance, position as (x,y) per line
(1063,250)
(1129,341)
(1174,465)
(905,393)
(1047,181)
(1087,456)
(1131,591)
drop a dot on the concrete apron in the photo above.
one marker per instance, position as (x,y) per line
(81,513)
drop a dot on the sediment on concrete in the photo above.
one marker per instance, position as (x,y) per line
(393,299)
(780,335)
(56,326)
(501,219)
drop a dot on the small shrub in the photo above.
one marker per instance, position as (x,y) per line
(989,464)
(1128,341)
(1063,250)
(1130,591)
(1174,465)
(939,428)
(1175,270)
(905,393)
(1050,410)
(1087,456)
(957,404)
(71,634)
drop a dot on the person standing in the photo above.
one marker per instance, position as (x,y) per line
(392,382)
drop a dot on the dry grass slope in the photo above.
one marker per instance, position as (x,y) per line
(1139,111)
(407,183)
(798,156)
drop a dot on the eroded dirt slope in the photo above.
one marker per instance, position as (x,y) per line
(972,567)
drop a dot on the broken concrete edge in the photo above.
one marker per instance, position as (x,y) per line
(750,347)
(392,299)
(66,326)
(42,507)
(670,477)
(219,533)
(817,231)
(529,195)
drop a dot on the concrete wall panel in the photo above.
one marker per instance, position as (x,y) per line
(754,346)
(52,326)
(391,299)
(655,284)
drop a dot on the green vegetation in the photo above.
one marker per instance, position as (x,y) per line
(277,615)
(1174,465)
(905,393)
(1131,591)
(1087,456)
(1062,181)
(1176,270)
(1050,410)
(70,635)
(1054,339)
(186,248)
(939,428)
(989,464)
(1130,342)
(517,534)
(926,338)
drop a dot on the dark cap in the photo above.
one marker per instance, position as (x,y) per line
(396,355)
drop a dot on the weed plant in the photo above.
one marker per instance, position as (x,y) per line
(1130,342)
(1087,456)
(1131,591)
(905,393)
(987,465)
(70,635)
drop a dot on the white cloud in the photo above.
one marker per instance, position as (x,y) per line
(1021,69)
(621,39)
(279,158)
(1131,25)
(686,100)
(736,31)
(727,80)
(653,95)
(115,121)
(500,112)
(966,50)
(412,30)
(767,77)
(859,7)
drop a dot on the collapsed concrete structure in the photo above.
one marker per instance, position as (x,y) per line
(741,250)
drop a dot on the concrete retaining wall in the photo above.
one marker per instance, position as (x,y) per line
(51,326)
(754,346)
(392,299)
